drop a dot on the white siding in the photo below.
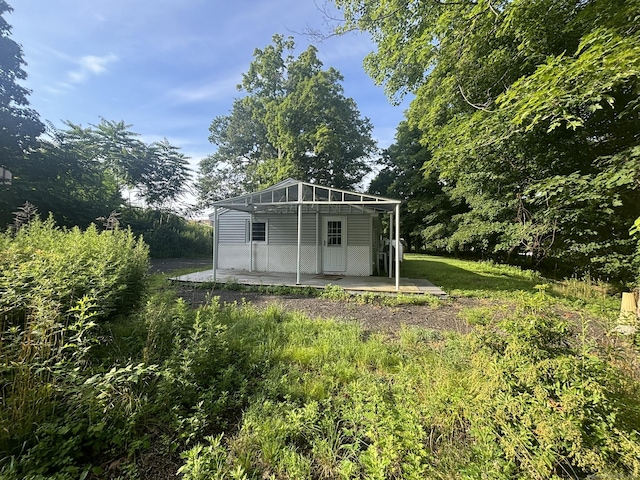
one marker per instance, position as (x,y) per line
(232,227)
(283,228)
(278,254)
(359,230)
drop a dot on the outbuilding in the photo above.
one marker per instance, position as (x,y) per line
(299,227)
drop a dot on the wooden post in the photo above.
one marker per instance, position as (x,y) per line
(629,307)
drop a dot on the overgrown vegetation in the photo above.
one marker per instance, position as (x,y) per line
(43,267)
(56,287)
(233,391)
(329,292)
(169,235)
(521,142)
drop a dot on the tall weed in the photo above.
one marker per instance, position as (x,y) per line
(56,285)
(45,263)
(545,405)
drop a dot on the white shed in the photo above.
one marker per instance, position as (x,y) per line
(299,227)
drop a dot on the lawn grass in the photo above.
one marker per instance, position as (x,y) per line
(467,278)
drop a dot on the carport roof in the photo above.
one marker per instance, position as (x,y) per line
(284,197)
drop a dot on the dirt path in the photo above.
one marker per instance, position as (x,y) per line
(373,318)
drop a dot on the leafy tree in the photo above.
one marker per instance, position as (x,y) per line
(293,122)
(56,179)
(158,172)
(79,174)
(19,125)
(427,208)
(530,110)
(165,175)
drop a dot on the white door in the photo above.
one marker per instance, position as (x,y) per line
(334,245)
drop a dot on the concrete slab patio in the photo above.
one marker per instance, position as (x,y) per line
(355,284)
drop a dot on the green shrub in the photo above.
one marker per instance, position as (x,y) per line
(525,401)
(169,235)
(43,263)
(636,263)
(334,292)
(243,392)
(56,286)
(545,405)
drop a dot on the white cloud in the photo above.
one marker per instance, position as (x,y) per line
(90,65)
(221,88)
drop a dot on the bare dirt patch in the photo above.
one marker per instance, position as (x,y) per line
(373,317)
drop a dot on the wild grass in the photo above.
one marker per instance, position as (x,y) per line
(235,391)
(332,292)
(472,279)
(334,403)
(254,393)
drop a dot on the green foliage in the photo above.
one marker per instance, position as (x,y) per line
(636,231)
(158,170)
(294,122)
(79,174)
(426,209)
(43,266)
(75,189)
(410,299)
(208,462)
(507,285)
(469,278)
(546,407)
(241,392)
(528,113)
(334,292)
(168,235)
(516,403)
(56,286)
(21,125)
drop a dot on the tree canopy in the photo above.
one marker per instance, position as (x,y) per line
(158,172)
(531,113)
(80,173)
(294,121)
(19,124)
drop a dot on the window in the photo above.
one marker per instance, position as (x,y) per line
(334,233)
(259,232)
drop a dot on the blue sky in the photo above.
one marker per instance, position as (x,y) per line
(168,67)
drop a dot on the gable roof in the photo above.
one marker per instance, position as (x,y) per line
(285,196)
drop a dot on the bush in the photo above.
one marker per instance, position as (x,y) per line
(545,405)
(169,235)
(56,285)
(43,264)
(636,230)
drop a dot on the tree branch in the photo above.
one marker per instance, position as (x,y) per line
(477,107)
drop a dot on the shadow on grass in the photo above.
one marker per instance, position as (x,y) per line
(467,277)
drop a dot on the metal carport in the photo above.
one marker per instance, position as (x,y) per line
(293,196)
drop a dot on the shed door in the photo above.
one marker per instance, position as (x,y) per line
(334,245)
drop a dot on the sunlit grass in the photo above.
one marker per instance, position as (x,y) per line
(467,278)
